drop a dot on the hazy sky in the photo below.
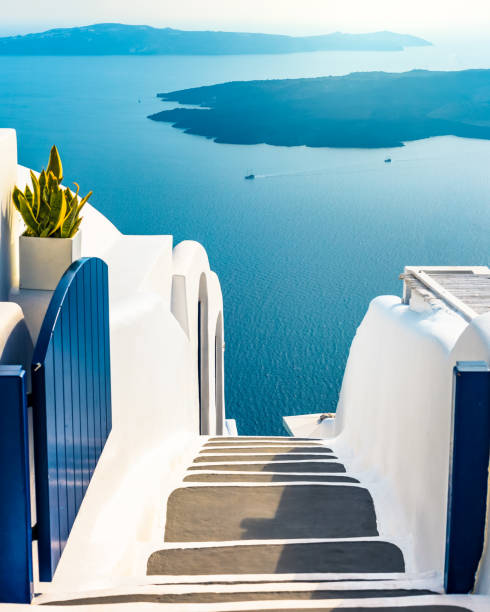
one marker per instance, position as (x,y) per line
(288,16)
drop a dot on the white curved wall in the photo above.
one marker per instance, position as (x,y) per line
(155,401)
(394,417)
(194,281)
(8,218)
(219,390)
(154,380)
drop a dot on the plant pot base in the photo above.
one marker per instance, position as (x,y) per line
(43,261)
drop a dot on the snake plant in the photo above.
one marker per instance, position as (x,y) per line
(48,210)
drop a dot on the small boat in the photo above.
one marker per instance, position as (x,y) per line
(388,160)
(250,177)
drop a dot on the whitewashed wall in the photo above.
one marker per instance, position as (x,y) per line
(154,380)
(394,418)
(15,343)
(8,221)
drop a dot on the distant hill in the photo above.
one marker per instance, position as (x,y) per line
(365,109)
(119,39)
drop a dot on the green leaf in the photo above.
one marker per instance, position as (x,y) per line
(45,196)
(75,227)
(15,197)
(54,164)
(44,210)
(83,201)
(68,227)
(37,195)
(27,215)
(53,183)
(43,180)
(69,221)
(29,196)
(57,212)
(78,189)
(71,197)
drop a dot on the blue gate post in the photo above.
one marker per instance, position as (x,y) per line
(468,475)
(15,509)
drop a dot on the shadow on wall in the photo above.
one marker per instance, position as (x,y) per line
(17,348)
(196,303)
(219,376)
(209,347)
(9,222)
(203,355)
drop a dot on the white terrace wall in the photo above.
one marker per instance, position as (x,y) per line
(8,219)
(15,343)
(192,282)
(154,379)
(394,416)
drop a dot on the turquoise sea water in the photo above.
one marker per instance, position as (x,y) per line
(301,250)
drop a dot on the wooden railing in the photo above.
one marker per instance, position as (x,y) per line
(464,289)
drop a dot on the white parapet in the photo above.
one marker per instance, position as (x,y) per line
(316,425)
(231,427)
(394,415)
(9,221)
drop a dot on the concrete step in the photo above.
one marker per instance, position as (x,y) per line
(402,604)
(140,598)
(275,523)
(278,478)
(254,512)
(272,557)
(212,596)
(287,439)
(297,592)
(316,466)
(426,580)
(266,450)
(258,457)
(265,444)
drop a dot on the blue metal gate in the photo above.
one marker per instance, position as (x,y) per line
(71,402)
(15,508)
(468,475)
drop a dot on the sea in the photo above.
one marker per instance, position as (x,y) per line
(301,250)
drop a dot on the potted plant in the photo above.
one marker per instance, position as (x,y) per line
(52,239)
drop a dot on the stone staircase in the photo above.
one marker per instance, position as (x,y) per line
(275,523)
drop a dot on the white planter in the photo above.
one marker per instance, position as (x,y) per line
(43,261)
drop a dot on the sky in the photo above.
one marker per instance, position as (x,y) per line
(419,17)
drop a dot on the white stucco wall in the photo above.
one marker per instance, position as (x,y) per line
(155,401)
(394,416)
(8,220)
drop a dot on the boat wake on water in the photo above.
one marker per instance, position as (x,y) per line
(344,170)
(378,166)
